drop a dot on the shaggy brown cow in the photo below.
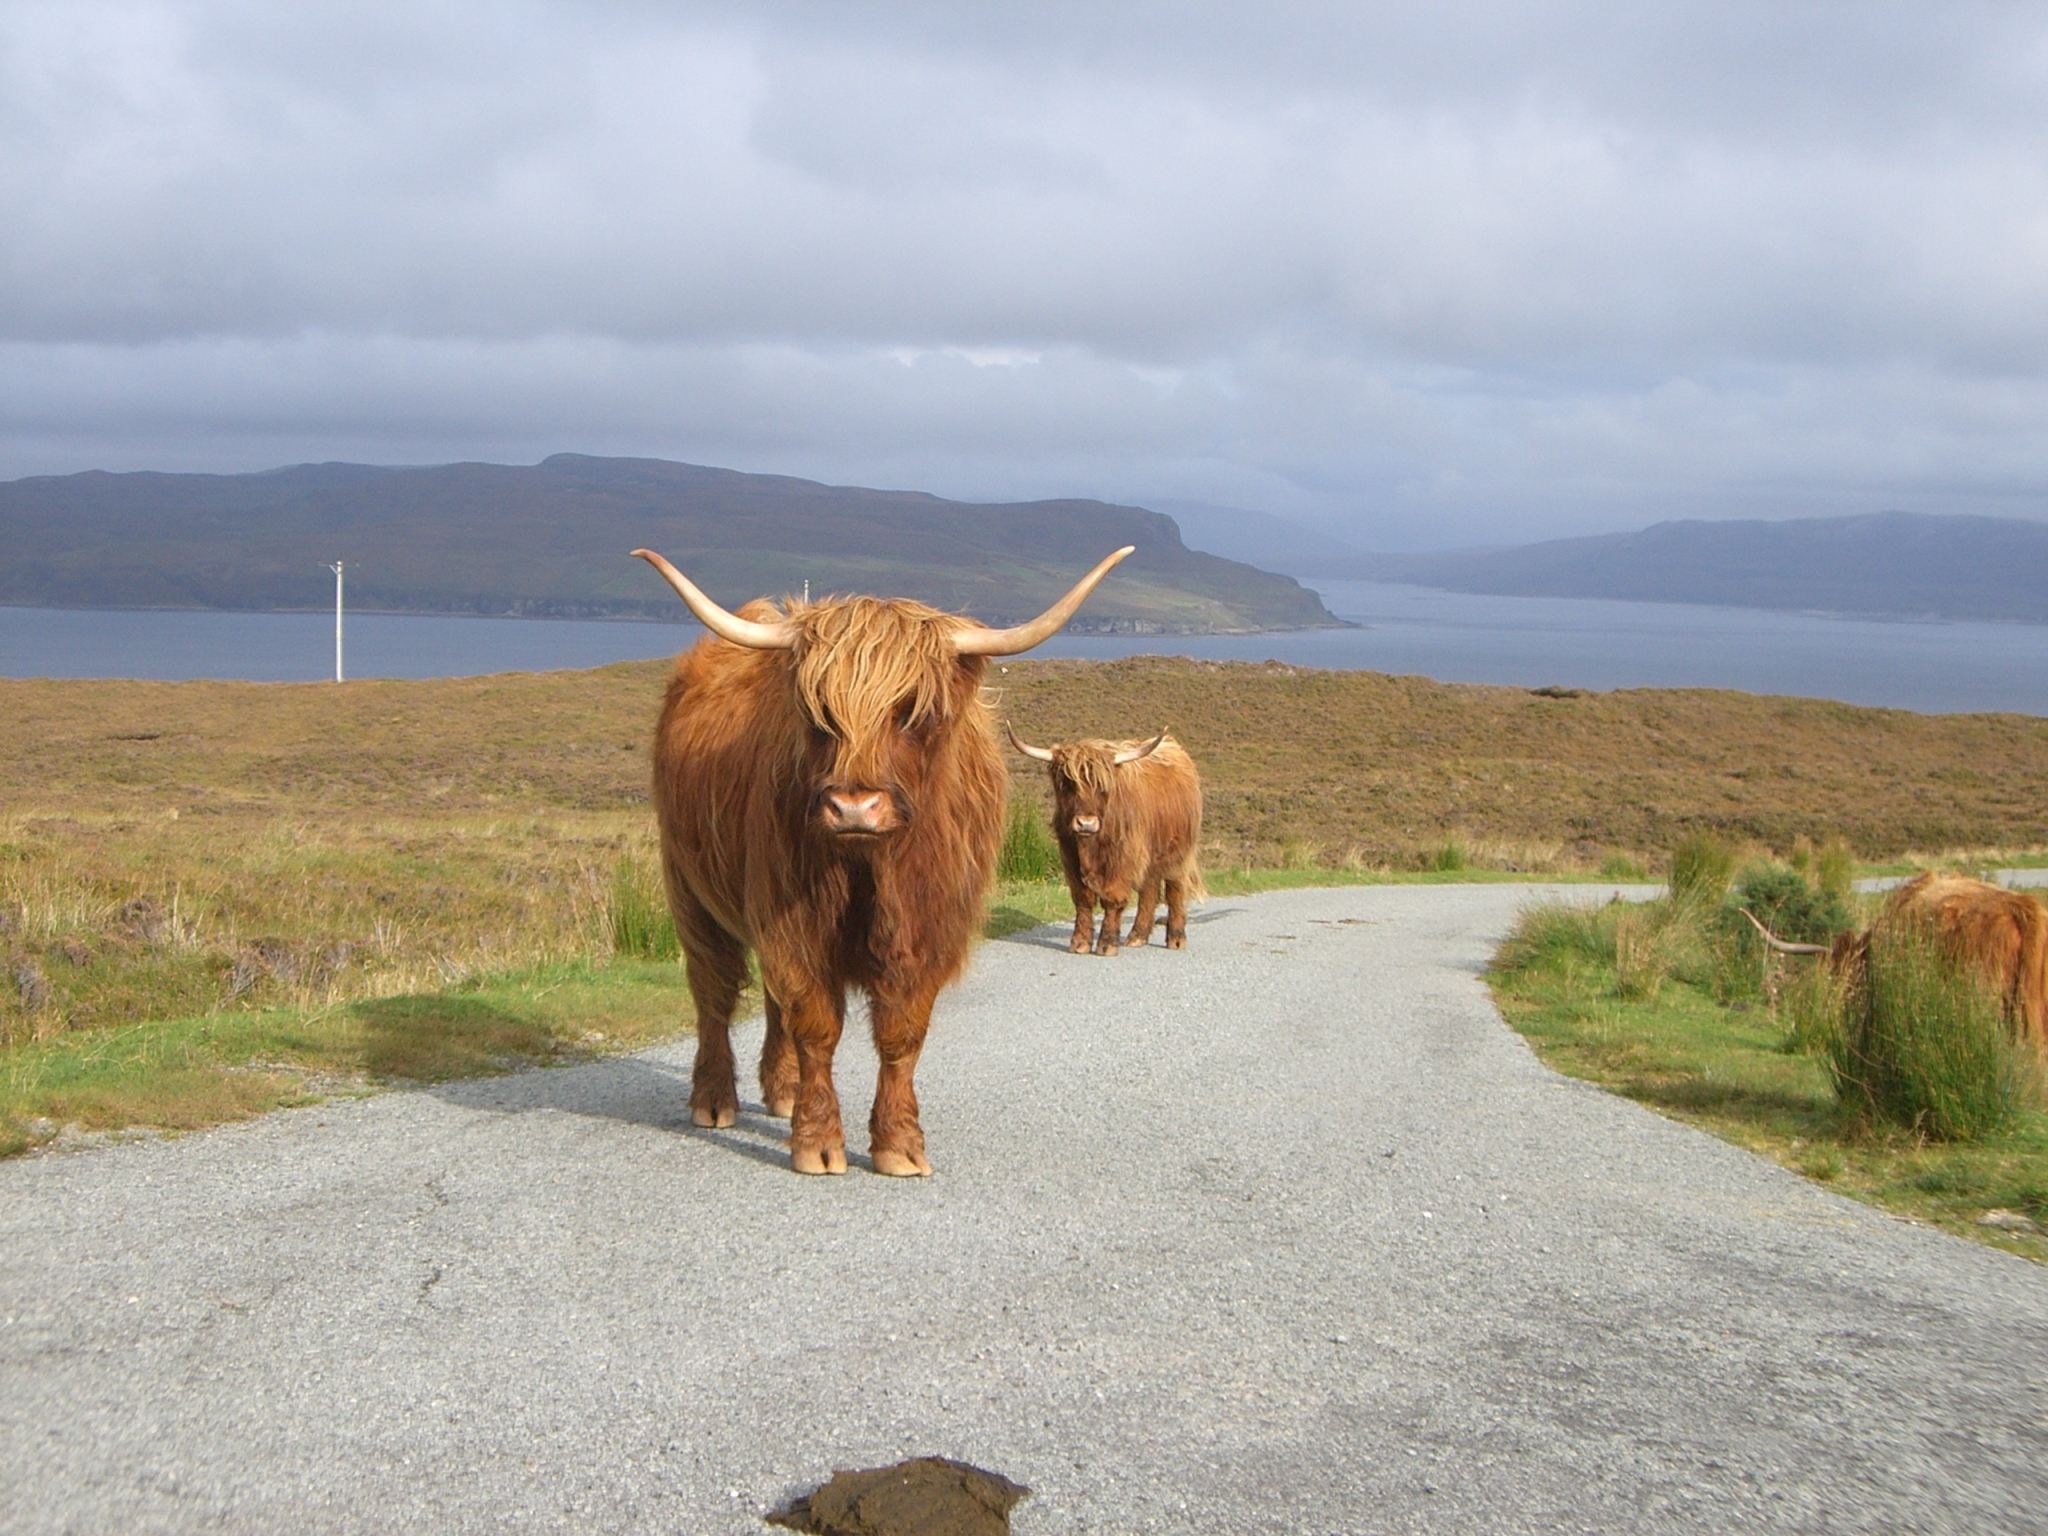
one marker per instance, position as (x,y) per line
(829,791)
(1128,816)
(2001,934)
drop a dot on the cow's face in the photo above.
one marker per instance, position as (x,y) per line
(1083,776)
(882,688)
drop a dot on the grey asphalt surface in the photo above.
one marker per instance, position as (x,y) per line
(1284,1233)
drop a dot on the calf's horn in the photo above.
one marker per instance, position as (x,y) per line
(1025,747)
(727,626)
(1779,944)
(1011,642)
(1132,754)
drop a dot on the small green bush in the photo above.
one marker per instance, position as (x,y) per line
(1029,852)
(1783,901)
(1925,1044)
(1701,868)
(1619,866)
(637,913)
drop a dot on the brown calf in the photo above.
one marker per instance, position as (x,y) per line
(1128,816)
(829,792)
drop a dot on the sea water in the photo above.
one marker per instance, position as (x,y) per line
(1931,666)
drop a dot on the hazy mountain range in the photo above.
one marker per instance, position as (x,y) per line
(552,540)
(1894,564)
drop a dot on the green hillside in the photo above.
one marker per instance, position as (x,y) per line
(552,539)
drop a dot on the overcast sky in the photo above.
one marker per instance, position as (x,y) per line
(1418,275)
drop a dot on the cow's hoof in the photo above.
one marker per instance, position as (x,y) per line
(781,1109)
(1105,950)
(1078,944)
(901,1165)
(818,1159)
(713,1118)
(1176,941)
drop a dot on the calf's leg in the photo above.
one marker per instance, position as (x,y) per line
(1084,923)
(1141,918)
(1112,922)
(1176,914)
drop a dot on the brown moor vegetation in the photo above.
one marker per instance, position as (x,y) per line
(214,850)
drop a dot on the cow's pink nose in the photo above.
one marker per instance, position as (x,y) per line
(1087,826)
(860,811)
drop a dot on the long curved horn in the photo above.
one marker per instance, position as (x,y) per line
(1779,944)
(1012,642)
(1025,747)
(1132,754)
(727,626)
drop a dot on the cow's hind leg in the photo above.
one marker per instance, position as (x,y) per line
(778,1064)
(895,1138)
(1176,914)
(1141,917)
(717,968)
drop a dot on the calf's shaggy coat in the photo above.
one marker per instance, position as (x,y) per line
(1128,817)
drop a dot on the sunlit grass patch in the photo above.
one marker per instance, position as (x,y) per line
(181,1074)
(1752,1055)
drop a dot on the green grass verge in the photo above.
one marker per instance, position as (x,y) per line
(1725,1064)
(183,1074)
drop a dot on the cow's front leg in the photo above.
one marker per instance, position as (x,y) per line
(895,1138)
(1112,921)
(1084,923)
(813,1018)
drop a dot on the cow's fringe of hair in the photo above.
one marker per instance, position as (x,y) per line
(859,658)
(1091,765)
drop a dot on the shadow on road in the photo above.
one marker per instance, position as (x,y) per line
(633,1090)
(1055,935)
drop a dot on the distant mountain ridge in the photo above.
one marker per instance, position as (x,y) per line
(551,540)
(1891,564)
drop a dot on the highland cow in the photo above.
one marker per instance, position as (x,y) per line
(2000,935)
(829,792)
(1128,816)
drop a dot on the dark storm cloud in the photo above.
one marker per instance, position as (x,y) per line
(1425,278)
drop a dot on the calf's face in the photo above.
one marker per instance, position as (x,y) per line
(1083,778)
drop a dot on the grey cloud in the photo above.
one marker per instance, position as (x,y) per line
(1545,267)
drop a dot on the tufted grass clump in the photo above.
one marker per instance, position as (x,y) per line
(1029,853)
(1701,868)
(636,912)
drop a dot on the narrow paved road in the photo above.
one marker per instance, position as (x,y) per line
(1286,1233)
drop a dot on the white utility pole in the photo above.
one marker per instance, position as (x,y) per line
(336,568)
